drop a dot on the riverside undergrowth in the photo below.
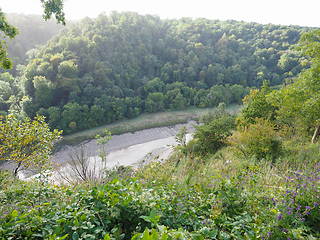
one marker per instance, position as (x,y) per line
(218,197)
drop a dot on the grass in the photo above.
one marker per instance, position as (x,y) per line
(219,196)
(143,121)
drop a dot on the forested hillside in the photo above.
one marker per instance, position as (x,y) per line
(33,32)
(115,67)
(253,175)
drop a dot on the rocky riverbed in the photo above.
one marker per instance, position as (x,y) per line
(144,139)
(129,149)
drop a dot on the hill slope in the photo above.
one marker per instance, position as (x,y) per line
(115,67)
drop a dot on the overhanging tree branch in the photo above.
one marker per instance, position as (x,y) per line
(54,7)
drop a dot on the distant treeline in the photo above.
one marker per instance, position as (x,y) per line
(114,67)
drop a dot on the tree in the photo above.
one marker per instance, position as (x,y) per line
(103,141)
(181,136)
(214,129)
(50,7)
(44,91)
(257,105)
(299,102)
(7,31)
(27,143)
(213,136)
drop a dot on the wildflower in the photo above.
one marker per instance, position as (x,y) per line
(279,216)
(284,230)
(308,208)
(316,204)
(289,212)
(269,233)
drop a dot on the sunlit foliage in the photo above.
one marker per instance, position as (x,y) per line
(27,143)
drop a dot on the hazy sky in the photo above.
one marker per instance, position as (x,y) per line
(287,12)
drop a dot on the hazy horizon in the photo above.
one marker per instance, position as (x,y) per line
(276,12)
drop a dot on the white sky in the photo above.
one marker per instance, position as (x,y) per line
(286,12)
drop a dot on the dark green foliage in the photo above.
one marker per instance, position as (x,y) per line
(233,203)
(213,131)
(125,64)
(7,31)
(257,105)
(54,7)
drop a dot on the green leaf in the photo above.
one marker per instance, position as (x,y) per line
(58,230)
(75,236)
(14,213)
(154,235)
(146,218)
(101,194)
(83,217)
(64,237)
(106,237)
(213,233)
(153,215)
(76,222)
(29,232)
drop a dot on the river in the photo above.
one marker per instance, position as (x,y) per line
(129,149)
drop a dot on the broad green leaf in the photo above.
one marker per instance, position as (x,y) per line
(106,237)
(14,213)
(153,215)
(75,236)
(83,217)
(146,218)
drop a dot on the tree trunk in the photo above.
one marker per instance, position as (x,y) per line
(15,170)
(315,134)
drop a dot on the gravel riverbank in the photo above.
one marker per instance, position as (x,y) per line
(124,141)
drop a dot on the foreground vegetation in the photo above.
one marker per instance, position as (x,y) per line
(254,176)
(201,192)
(215,197)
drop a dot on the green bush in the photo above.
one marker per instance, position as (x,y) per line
(261,140)
(212,136)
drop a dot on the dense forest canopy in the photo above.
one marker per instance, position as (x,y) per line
(117,66)
(247,176)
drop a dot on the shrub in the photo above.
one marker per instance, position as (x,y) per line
(261,140)
(211,137)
